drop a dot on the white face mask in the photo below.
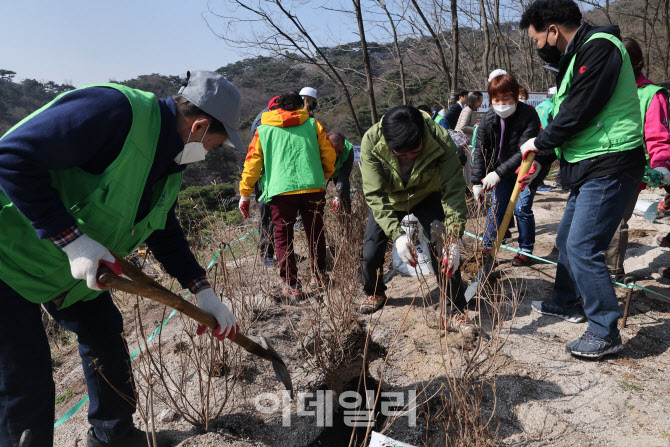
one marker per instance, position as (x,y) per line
(522,100)
(505,111)
(193,151)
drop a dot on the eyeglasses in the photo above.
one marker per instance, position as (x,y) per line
(411,153)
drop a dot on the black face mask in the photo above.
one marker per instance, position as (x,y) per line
(549,53)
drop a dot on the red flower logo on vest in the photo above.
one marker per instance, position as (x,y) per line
(582,69)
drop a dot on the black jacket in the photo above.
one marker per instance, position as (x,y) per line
(596,75)
(452,115)
(521,126)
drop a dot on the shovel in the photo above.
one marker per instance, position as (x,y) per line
(141,284)
(481,276)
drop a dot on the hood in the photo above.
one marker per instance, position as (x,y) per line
(642,80)
(284,118)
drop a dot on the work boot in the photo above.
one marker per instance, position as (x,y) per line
(459,322)
(134,438)
(270,262)
(372,304)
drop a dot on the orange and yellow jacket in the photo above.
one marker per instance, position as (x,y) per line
(253,163)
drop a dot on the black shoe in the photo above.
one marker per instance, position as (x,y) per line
(574,314)
(592,346)
(134,438)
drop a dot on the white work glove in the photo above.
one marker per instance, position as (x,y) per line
(528,147)
(665,172)
(478,192)
(85,256)
(244,206)
(532,173)
(210,303)
(490,181)
(407,255)
(451,258)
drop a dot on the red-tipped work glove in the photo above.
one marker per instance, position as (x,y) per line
(85,256)
(452,258)
(244,206)
(490,181)
(478,192)
(210,303)
(336,204)
(664,205)
(407,255)
(532,173)
(528,147)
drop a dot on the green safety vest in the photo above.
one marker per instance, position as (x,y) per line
(646,94)
(543,110)
(439,118)
(103,205)
(291,159)
(616,128)
(342,158)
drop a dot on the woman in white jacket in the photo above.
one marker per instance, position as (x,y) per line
(468,118)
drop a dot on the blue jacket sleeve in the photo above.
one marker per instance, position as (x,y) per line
(86,128)
(171,249)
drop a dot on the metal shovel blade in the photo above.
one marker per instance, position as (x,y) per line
(279,367)
(652,212)
(478,279)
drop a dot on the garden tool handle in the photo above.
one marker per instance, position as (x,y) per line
(523,170)
(145,286)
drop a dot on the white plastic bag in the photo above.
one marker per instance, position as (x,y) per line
(410,224)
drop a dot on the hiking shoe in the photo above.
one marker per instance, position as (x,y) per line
(664,272)
(520,260)
(293,293)
(134,438)
(270,262)
(592,346)
(372,304)
(319,281)
(663,241)
(574,314)
(459,322)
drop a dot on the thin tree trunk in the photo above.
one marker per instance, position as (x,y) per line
(487,40)
(335,76)
(666,16)
(454,53)
(401,66)
(436,39)
(366,63)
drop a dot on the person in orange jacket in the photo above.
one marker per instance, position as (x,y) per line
(298,158)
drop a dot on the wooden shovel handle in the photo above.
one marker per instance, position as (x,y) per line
(523,170)
(145,286)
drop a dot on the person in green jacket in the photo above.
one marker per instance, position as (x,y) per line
(95,172)
(543,109)
(409,164)
(596,133)
(343,165)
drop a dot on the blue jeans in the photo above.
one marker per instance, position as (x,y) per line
(27,392)
(523,211)
(592,214)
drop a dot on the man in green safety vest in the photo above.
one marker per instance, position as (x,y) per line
(343,165)
(96,171)
(597,135)
(544,108)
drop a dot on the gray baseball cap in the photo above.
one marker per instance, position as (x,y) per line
(213,94)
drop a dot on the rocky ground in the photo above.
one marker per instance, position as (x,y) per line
(534,393)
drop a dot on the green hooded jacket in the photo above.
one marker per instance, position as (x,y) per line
(437,168)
